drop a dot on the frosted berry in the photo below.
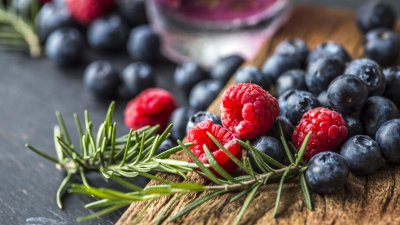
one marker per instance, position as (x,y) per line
(328,131)
(270,146)
(375,14)
(388,138)
(248,110)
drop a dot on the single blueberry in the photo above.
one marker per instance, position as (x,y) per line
(226,67)
(347,94)
(135,78)
(298,103)
(375,14)
(282,100)
(179,118)
(200,117)
(362,154)
(354,125)
(326,172)
(287,128)
(324,100)
(369,72)
(144,44)
(101,79)
(392,77)
(251,74)
(277,64)
(269,146)
(321,72)
(132,11)
(108,33)
(65,47)
(383,46)
(187,75)
(376,111)
(294,47)
(291,80)
(388,138)
(204,93)
(329,49)
(165,145)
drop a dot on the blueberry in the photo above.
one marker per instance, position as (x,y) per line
(347,94)
(135,78)
(369,72)
(329,49)
(291,80)
(376,111)
(277,64)
(108,33)
(392,77)
(187,75)
(179,118)
(287,128)
(354,125)
(132,11)
(251,74)
(321,72)
(226,67)
(50,18)
(144,44)
(65,47)
(326,172)
(165,145)
(282,100)
(388,138)
(298,103)
(101,79)
(375,14)
(383,46)
(204,93)
(270,146)
(324,100)
(294,47)
(200,117)
(362,154)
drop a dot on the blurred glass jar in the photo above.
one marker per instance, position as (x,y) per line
(205,30)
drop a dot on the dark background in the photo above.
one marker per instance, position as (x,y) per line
(31,90)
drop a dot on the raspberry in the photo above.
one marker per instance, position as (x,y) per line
(151,107)
(198,135)
(85,11)
(248,110)
(328,131)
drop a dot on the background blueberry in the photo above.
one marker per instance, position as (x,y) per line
(375,14)
(282,100)
(392,77)
(298,103)
(144,44)
(135,78)
(326,173)
(200,117)
(321,72)
(388,138)
(251,74)
(294,47)
(362,154)
(270,146)
(324,100)
(179,118)
(187,75)
(167,144)
(354,125)
(286,125)
(291,80)
(132,11)
(347,94)
(329,49)
(65,47)
(101,79)
(376,111)
(277,64)
(225,67)
(383,46)
(204,93)
(369,72)
(108,33)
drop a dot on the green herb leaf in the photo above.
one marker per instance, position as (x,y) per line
(306,192)
(246,204)
(302,149)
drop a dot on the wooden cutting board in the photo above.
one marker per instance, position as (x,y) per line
(365,200)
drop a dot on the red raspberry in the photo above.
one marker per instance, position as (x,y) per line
(198,135)
(328,131)
(248,110)
(151,107)
(85,11)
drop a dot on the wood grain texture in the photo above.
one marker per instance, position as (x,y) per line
(364,200)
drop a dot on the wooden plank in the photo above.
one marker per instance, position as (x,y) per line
(364,200)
